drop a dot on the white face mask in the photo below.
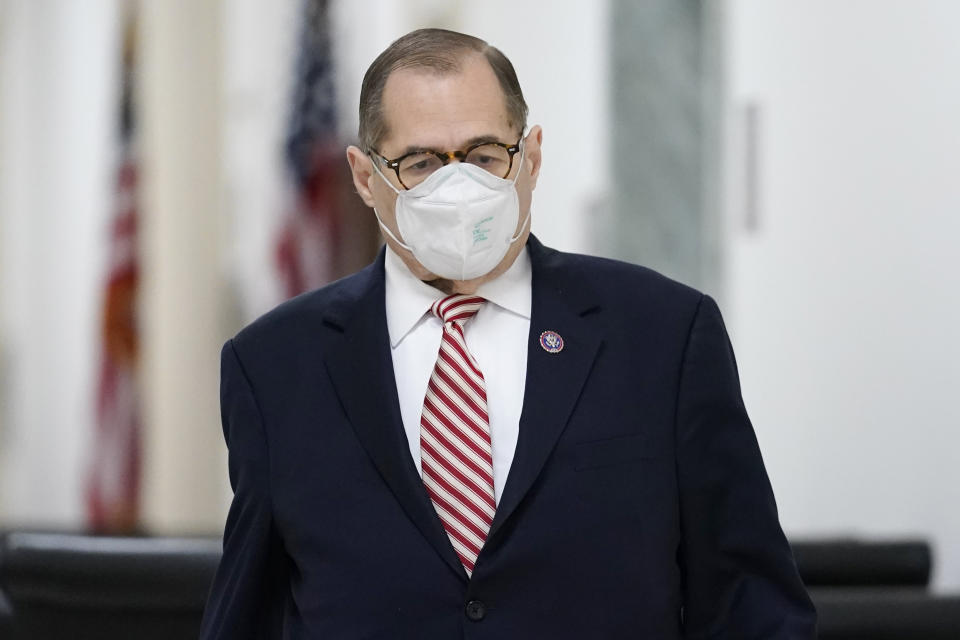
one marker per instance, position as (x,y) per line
(459,222)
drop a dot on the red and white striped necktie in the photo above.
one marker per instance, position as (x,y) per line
(455,454)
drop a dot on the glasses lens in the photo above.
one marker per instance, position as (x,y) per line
(492,158)
(416,168)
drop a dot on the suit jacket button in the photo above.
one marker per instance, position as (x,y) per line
(476,610)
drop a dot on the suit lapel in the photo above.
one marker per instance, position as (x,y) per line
(361,367)
(554,380)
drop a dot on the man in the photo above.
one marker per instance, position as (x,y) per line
(480,437)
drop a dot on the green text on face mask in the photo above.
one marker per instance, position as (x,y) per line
(480,235)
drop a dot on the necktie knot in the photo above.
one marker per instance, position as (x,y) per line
(456,308)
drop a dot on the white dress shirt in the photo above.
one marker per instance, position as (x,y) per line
(496,336)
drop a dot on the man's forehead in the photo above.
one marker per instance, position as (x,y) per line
(424,108)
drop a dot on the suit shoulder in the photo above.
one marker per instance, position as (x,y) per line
(305,312)
(612,278)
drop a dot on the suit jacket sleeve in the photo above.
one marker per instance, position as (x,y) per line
(246,599)
(739,576)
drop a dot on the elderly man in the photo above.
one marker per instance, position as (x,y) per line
(478,436)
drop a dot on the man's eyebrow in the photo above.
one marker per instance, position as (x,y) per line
(481,140)
(469,143)
(413,149)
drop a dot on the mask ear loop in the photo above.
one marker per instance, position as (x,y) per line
(523,149)
(526,222)
(390,233)
(377,213)
(376,167)
(526,218)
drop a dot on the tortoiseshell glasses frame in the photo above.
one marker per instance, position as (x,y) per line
(416,166)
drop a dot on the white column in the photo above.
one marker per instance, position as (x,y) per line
(183,295)
(58,70)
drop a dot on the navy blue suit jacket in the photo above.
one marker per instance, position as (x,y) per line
(637,505)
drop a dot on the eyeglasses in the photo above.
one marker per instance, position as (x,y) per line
(415,167)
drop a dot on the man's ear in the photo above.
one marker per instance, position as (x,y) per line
(532,154)
(362,170)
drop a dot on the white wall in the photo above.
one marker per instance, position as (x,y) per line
(183,306)
(58,82)
(257,81)
(844,305)
(60,62)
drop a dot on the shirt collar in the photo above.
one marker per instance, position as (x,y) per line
(408,299)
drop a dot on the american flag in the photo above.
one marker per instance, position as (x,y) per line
(308,248)
(113,490)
